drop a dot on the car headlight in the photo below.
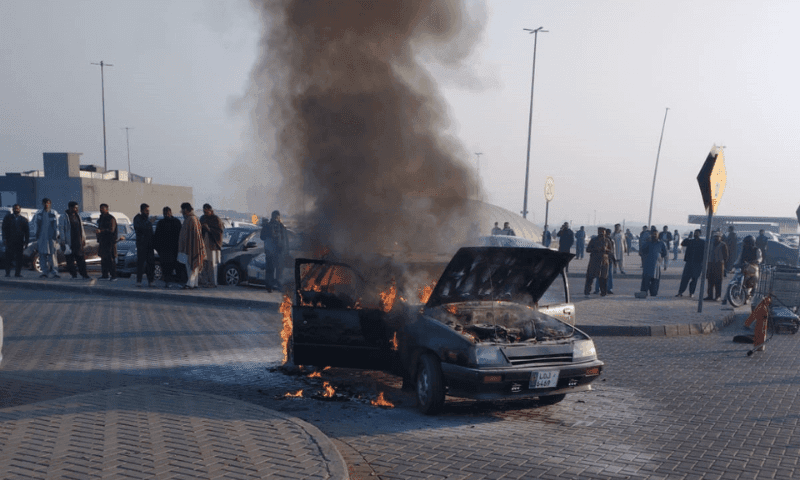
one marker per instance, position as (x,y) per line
(487,356)
(583,350)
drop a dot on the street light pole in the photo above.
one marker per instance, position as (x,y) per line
(103,93)
(653,191)
(535,33)
(128,144)
(478,178)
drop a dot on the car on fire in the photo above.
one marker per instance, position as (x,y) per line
(487,331)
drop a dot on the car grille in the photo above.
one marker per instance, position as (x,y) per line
(538,355)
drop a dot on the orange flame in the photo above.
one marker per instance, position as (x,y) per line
(315,375)
(286,311)
(452,309)
(381,401)
(299,393)
(329,391)
(388,297)
(326,368)
(394,342)
(425,292)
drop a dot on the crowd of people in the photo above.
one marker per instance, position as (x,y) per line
(189,251)
(607,251)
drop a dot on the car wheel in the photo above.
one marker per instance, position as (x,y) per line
(551,399)
(36,264)
(430,385)
(158,274)
(736,294)
(231,275)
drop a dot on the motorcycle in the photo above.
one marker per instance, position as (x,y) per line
(736,291)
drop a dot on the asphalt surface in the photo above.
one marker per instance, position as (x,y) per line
(112,381)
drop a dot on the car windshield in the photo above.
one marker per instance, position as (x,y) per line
(233,236)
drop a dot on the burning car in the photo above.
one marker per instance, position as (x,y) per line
(482,333)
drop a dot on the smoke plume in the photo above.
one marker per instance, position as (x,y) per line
(359,125)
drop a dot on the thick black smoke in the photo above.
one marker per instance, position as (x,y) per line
(359,123)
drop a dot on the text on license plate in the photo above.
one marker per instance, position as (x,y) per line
(544,379)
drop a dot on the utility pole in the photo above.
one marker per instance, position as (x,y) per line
(128,144)
(653,191)
(103,93)
(530,119)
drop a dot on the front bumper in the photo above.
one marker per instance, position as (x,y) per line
(508,383)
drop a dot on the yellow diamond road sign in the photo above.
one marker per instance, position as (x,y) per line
(711,179)
(549,188)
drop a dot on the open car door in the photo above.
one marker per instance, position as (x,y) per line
(330,326)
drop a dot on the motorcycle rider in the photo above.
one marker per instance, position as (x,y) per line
(749,260)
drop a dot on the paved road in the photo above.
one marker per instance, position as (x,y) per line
(680,407)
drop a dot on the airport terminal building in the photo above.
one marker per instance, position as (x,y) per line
(64,179)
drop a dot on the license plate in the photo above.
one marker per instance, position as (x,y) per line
(544,379)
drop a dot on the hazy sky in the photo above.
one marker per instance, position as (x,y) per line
(605,72)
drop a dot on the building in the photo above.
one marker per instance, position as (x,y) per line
(64,179)
(744,225)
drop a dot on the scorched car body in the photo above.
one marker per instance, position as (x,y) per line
(482,333)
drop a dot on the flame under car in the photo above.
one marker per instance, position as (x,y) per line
(488,330)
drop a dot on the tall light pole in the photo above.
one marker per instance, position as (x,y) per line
(653,191)
(103,93)
(128,144)
(530,118)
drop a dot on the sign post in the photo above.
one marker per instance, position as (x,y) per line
(549,193)
(712,178)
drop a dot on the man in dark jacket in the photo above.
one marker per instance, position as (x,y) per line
(716,267)
(145,257)
(732,241)
(276,246)
(762,241)
(580,242)
(566,237)
(107,243)
(165,241)
(212,228)
(599,249)
(695,248)
(16,235)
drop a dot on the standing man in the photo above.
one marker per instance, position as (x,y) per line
(496,230)
(507,230)
(191,251)
(644,237)
(599,249)
(212,229)
(580,242)
(732,242)
(695,248)
(165,241)
(676,244)
(653,251)
(46,223)
(761,242)
(16,235)
(565,240)
(666,237)
(107,243)
(628,240)
(145,256)
(716,267)
(619,248)
(276,245)
(546,238)
(73,240)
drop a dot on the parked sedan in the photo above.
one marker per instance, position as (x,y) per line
(239,246)
(481,334)
(30,256)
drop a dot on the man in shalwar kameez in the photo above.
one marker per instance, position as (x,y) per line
(191,251)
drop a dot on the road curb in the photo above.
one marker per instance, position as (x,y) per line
(679,330)
(91,288)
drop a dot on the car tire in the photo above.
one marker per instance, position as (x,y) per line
(736,294)
(231,275)
(551,399)
(430,385)
(35,264)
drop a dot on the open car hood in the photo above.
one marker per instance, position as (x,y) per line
(515,274)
